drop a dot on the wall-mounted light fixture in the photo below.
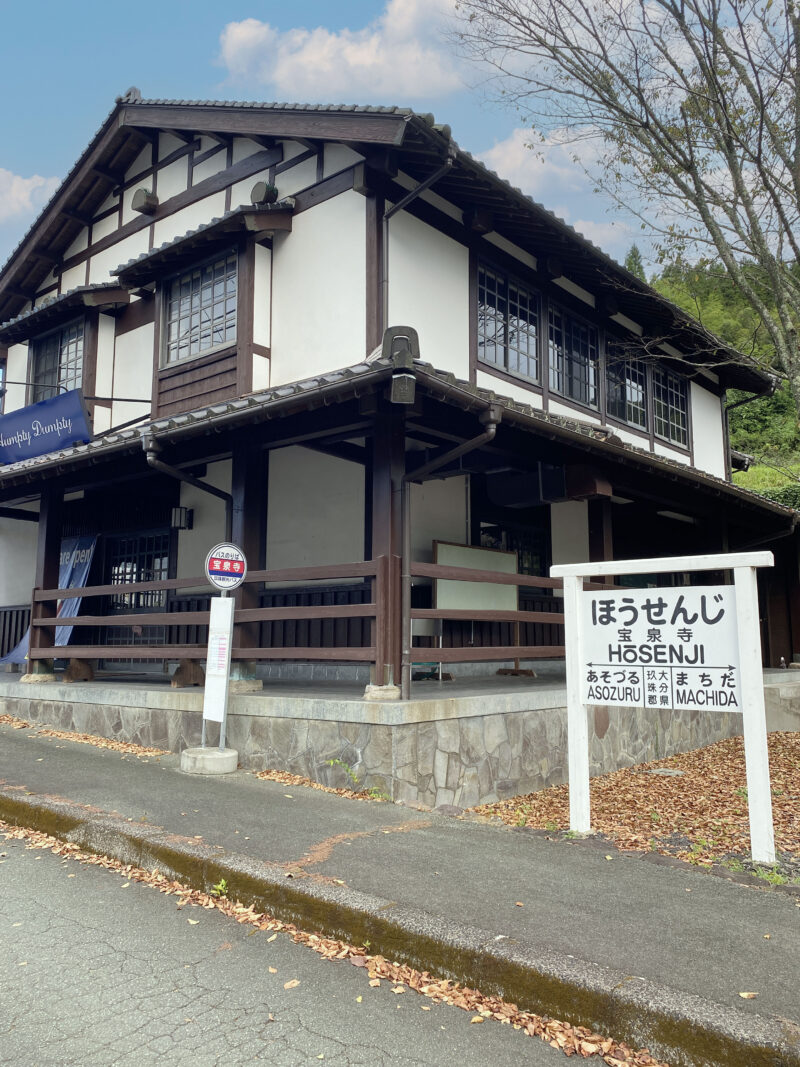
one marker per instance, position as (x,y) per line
(182,519)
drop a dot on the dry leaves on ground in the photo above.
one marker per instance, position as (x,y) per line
(572,1040)
(286,778)
(128,747)
(700,815)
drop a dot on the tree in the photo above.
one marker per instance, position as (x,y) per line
(634,263)
(690,111)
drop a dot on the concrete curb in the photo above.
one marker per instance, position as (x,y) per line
(681,1028)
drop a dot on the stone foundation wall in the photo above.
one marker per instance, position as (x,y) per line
(446,756)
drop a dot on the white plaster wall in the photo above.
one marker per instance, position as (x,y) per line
(707,432)
(316,509)
(133,372)
(172,179)
(572,413)
(47,282)
(104,227)
(318,291)
(101,418)
(337,157)
(504,388)
(569,531)
(438,513)
(262,295)
(168,143)
(295,178)
(429,290)
(128,214)
(17,560)
(189,218)
(101,265)
(104,377)
(211,166)
(260,372)
(16,371)
(244,147)
(73,277)
(80,244)
(209,520)
(662,449)
(142,162)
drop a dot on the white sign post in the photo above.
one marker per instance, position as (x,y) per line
(226,568)
(694,647)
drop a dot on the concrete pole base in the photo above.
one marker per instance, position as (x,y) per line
(209,761)
(35,678)
(382,692)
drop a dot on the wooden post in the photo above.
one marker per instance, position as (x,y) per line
(577,724)
(759,797)
(388,467)
(51,510)
(249,489)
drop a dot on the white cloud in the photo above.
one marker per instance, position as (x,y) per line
(542,171)
(21,197)
(398,56)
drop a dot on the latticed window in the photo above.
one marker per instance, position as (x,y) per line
(201,309)
(670,406)
(626,387)
(57,362)
(508,321)
(573,357)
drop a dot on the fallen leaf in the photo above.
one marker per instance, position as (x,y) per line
(476,1019)
(271,938)
(288,796)
(426,1007)
(748,996)
(519,904)
(193,922)
(375,982)
(609,857)
(273,970)
(292,984)
(767,937)
(358,961)
(359,999)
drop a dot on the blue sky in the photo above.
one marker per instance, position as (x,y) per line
(62,65)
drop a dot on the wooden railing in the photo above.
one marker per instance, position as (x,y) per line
(487,653)
(183,623)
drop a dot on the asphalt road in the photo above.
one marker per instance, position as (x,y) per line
(100,972)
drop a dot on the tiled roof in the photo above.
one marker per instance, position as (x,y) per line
(348,381)
(54,301)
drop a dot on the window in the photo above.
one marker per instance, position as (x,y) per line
(201,309)
(508,321)
(573,358)
(57,362)
(670,407)
(626,387)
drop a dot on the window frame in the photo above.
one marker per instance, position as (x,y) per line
(567,315)
(230,252)
(509,279)
(611,360)
(671,380)
(35,353)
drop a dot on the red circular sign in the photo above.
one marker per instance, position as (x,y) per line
(226,566)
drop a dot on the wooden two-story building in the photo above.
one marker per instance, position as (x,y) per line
(217,279)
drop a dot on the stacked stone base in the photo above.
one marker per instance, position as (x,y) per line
(459,751)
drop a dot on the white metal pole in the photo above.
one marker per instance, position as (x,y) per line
(577,725)
(759,798)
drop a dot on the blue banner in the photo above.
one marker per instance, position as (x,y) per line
(45,427)
(73,570)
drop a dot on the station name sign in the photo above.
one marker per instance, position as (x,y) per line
(44,427)
(661,648)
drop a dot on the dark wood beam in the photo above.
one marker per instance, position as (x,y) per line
(109,175)
(18,513)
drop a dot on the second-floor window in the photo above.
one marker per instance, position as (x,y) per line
(57,362)
(626,387)
(200,310)
(508,323)
(573,353)
(670,406)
